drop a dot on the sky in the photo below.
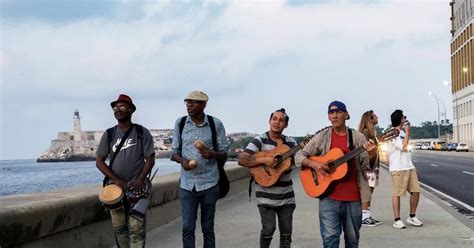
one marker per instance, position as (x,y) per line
(250,57)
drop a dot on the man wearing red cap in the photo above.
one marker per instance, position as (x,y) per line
(132,156)
(340,209)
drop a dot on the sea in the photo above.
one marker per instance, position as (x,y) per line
(28,176)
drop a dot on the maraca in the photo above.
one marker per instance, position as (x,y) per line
(192,164)
(199,144)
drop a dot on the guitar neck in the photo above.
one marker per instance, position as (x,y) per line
(290,152)
(348,156)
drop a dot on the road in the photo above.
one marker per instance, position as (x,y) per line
(449,172)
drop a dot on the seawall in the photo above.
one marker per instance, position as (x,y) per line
(75,218)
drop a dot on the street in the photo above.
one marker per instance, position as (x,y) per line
(448,172)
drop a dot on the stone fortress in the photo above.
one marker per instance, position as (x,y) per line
(81,145)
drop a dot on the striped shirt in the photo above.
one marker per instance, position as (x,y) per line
(281,193)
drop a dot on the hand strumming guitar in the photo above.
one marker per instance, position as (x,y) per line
(317,166)
(272,162)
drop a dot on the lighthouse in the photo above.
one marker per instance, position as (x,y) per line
(77,126)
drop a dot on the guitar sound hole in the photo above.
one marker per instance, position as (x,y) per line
(279,158)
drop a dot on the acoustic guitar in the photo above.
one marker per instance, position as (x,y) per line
(315,184)
(267,176)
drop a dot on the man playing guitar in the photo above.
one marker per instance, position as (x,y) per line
(340,208)
(278,199)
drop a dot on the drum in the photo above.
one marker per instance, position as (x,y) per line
(111,196)
(132,195)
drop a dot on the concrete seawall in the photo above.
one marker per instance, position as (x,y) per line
(75,217)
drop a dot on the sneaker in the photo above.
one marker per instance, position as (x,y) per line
(369,222)
(377,222)
(399,224)
(414,221)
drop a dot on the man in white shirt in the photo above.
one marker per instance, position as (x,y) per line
(402,170)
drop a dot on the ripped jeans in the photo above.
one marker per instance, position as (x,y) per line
(129,231)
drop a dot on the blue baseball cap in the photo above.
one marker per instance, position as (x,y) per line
(338,106)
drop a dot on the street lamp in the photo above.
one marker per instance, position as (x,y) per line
(445,118)
(437,104)
(447,83)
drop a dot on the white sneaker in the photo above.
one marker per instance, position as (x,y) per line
(399,224)
(414,221)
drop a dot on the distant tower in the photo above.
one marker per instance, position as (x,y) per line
(77,126)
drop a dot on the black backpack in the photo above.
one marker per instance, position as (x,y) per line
(224,184)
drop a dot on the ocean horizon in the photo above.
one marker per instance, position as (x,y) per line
(24,176)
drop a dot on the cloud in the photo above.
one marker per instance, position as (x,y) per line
(251,57)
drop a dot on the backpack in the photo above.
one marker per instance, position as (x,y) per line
(224,185)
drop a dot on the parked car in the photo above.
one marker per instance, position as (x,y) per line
(425,146)
(462,147)
(452,146)
(418,146)
(444,147)
(432,145)
(438,146)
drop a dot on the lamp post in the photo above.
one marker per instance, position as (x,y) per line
(455,109)
(437,104)
(445,119)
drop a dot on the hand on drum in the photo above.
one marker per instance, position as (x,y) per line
(120,183)
(136,186)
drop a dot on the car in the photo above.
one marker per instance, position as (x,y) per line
(425,146)
(444,147)
(432,145)
(462,147)
(418,146)
(439,145)
(452,146)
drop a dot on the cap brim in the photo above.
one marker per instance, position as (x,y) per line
(112,104)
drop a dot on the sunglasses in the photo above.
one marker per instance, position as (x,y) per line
(121,108)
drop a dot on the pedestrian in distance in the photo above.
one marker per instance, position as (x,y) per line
(402,171)
(367,125)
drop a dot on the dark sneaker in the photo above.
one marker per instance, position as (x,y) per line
(377,222)
(368,222)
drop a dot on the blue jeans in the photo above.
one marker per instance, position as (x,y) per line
(129,231)
(190,200)
(334,215)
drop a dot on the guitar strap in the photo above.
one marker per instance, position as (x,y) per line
(351,145)
(351,141)
(117,150)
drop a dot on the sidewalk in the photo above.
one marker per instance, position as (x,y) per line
(237,223)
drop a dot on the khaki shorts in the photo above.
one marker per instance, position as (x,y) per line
(403,181)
